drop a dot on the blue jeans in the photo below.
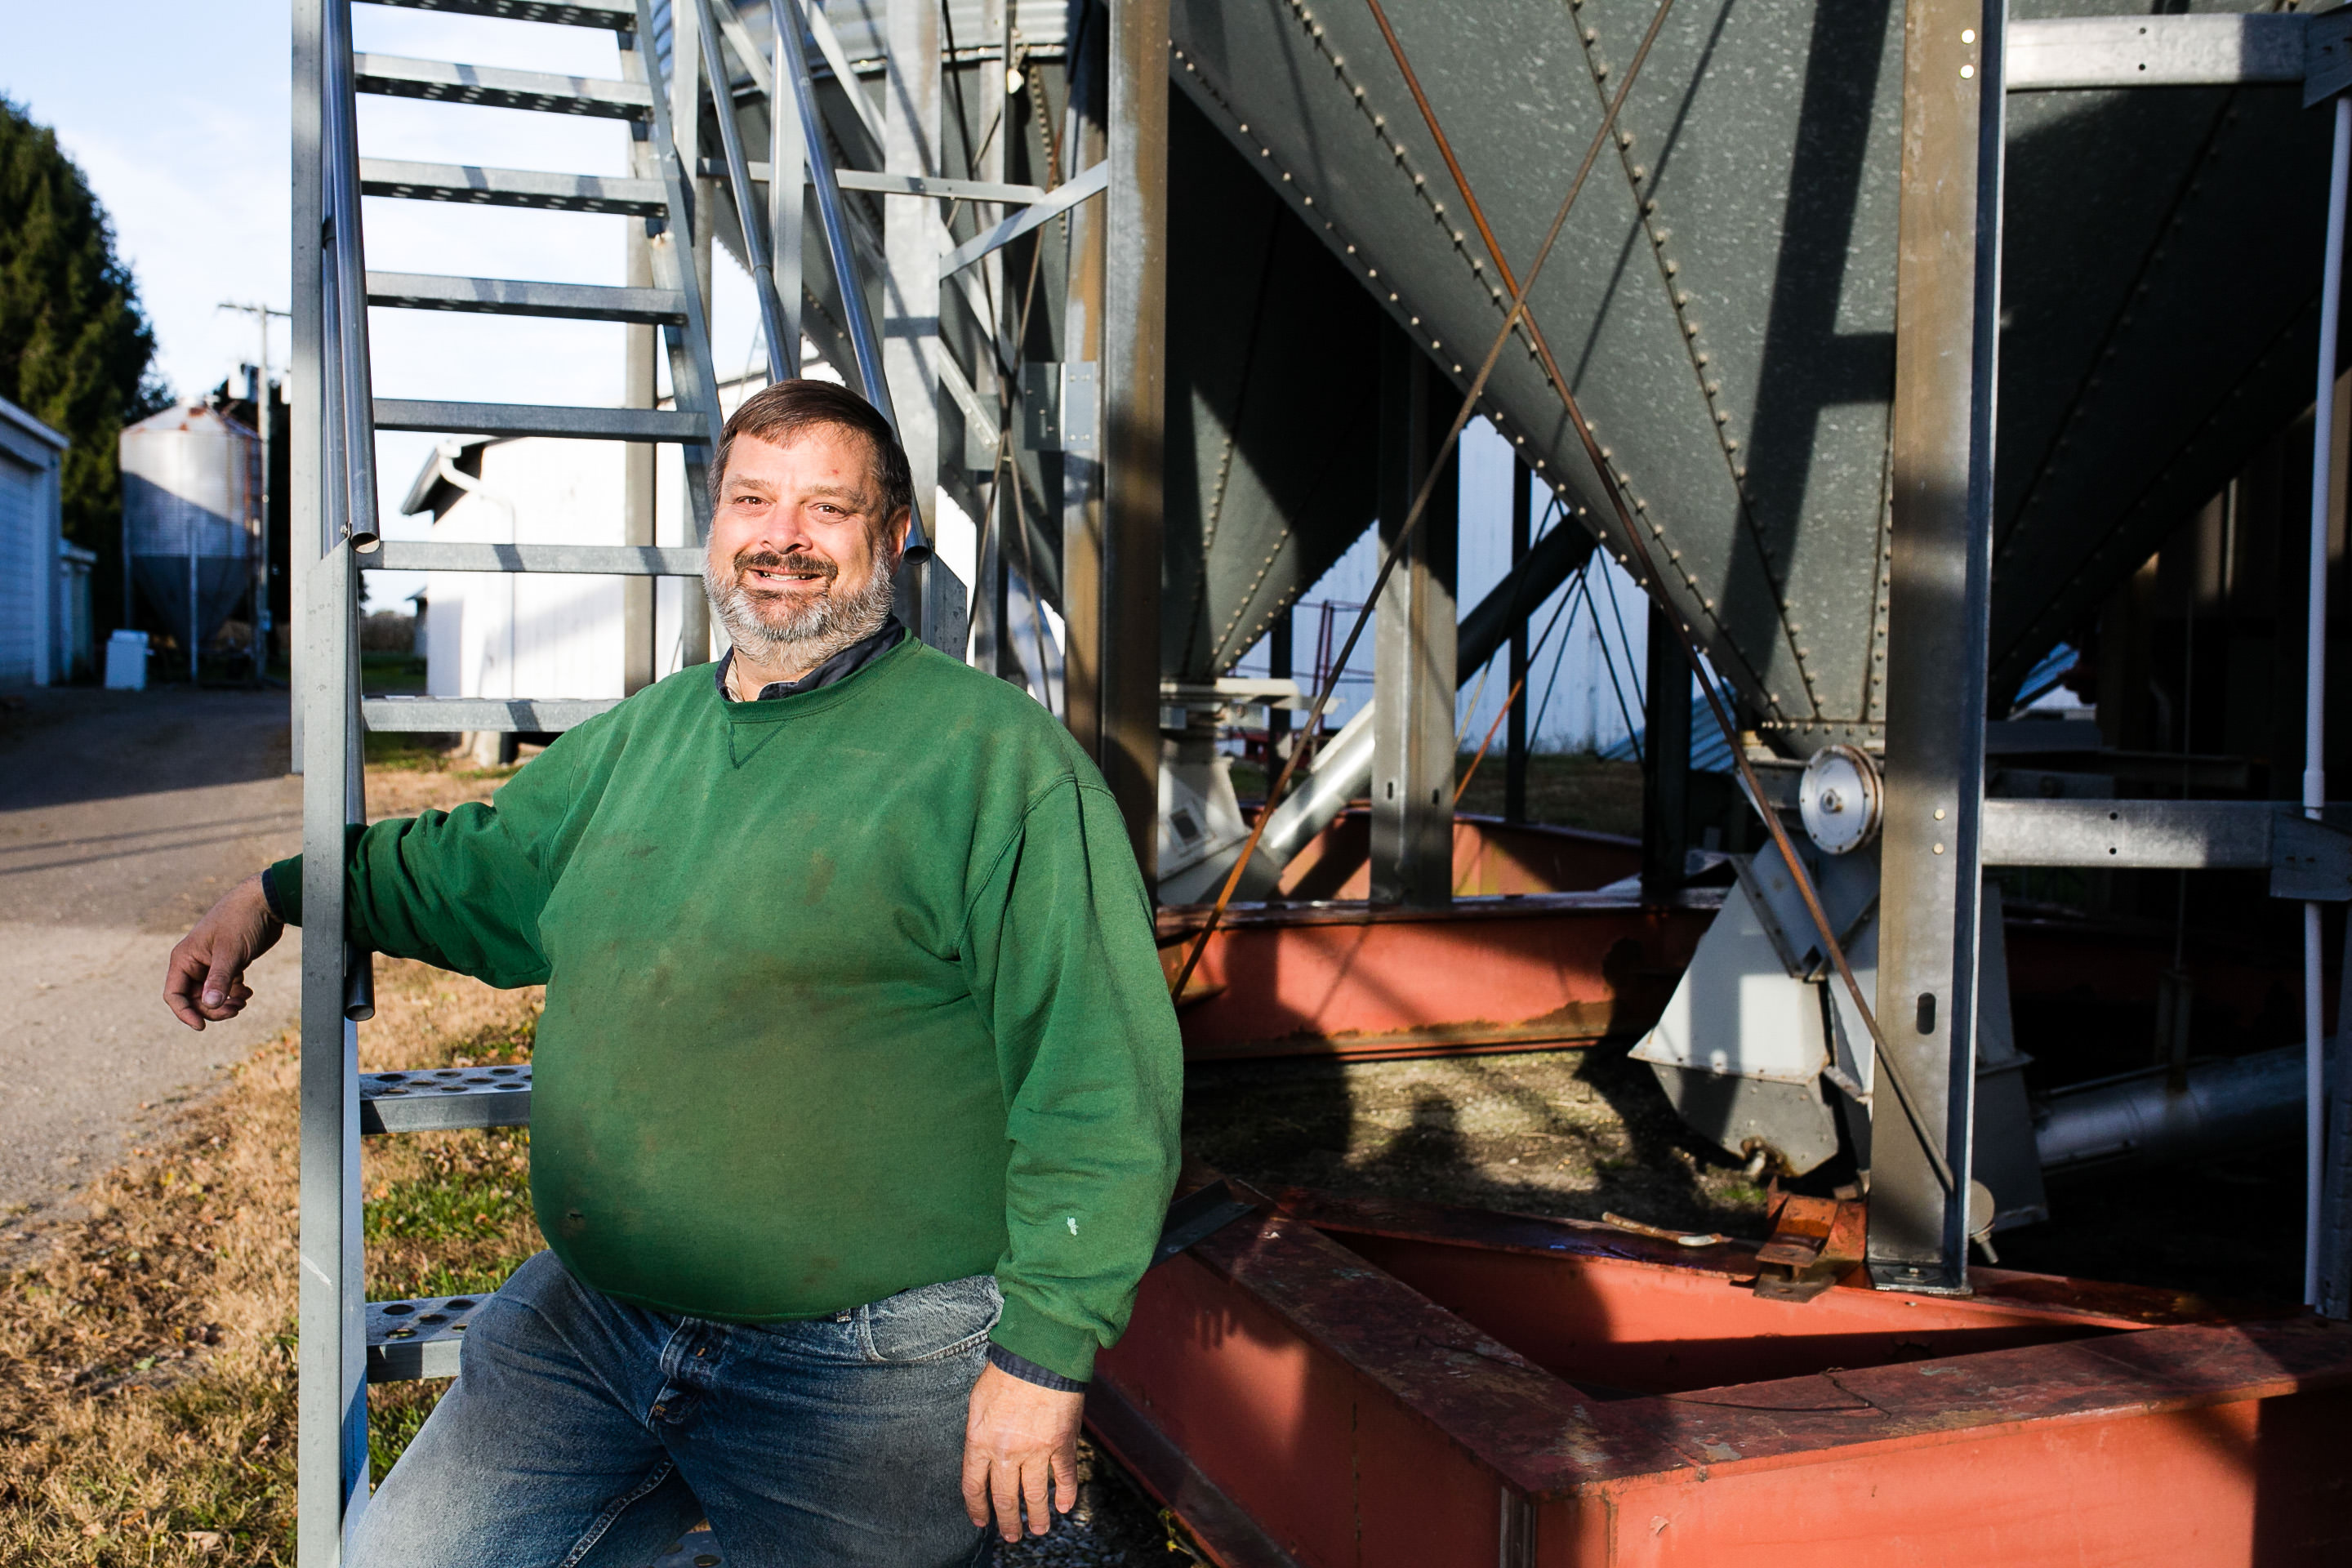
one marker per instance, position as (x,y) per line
(583,1432)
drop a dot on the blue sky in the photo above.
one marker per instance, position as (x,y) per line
(178,116)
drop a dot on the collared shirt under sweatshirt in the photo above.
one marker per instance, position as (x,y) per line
(848,991)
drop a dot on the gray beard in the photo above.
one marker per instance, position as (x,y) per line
(812,632)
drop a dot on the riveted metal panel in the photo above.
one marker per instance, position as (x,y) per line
(2157,297)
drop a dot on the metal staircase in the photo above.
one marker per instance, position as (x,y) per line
(668,56)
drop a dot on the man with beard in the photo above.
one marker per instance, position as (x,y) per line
(855,1095)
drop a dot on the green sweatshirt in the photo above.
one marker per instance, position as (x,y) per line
(847,992)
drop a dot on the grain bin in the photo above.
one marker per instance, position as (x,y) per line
(191,510)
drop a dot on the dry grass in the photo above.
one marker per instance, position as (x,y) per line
(147,1346)
(146,1352)
(1571,790)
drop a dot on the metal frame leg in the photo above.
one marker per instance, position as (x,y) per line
(1665,762)
(1415,650)
(1948,293)
(1113,410)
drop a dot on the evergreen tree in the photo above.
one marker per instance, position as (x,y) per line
(75,347)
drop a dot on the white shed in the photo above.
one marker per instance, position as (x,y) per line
(524,635)
(31,521)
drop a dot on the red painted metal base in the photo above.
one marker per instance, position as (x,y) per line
(1502,974)
(1341,1381)
(1533,955)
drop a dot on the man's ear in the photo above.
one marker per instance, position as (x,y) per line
(895,534)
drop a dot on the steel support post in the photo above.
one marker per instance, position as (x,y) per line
(2325,440)
(639,389)
(1665,761)
(787,190)
(1515,738)
(330,1464)
(693,249)
(1946,310)
(1414,647)
(1081,421)
(1280,659)
(913,240)
(1134,388)
(2333,1298)
(1114,412)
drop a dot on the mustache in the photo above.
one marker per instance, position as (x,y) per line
(798,561)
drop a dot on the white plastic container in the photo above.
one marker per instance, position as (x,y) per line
(126,662)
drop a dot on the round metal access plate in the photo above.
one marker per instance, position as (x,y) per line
(1840,799)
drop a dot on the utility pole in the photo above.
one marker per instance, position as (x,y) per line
(261,410)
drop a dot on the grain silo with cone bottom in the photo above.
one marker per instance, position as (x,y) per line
(192,518)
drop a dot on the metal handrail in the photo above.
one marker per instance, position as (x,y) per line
(739,183)
(351,405)
(789,23)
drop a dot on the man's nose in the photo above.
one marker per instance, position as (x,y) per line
(782,533)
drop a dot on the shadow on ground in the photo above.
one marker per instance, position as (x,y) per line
(1572,1134)
(71,744)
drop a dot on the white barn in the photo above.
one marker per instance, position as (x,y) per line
(33,623)
(533,634)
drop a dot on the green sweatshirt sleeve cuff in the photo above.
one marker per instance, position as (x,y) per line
(281,884)
(1033,1336)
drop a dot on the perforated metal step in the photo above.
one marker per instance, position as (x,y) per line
(434,1099)
(407,1339)
(453,715)
(448,81)
(541,420)
(537,188)
(697,1550)
(594,559)
(583,13)
(519,296)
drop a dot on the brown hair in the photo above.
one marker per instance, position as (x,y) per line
(780,412)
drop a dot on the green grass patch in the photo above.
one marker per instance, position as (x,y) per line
(472,1195)
(400,672)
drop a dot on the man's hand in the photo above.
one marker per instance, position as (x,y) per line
(206,977)
(1019,1435)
